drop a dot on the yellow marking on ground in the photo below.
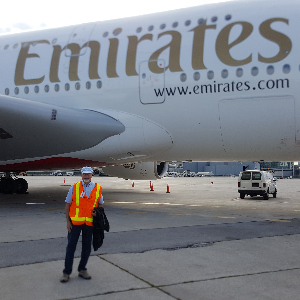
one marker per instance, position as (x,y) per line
(283,221)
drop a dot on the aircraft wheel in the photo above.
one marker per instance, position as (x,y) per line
(21,186)
(8,186)
(242,196)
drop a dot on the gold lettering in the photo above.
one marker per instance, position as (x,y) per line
(174,59)
(112,58)
(94,60)
(20,67)
(284,43)
(198,45)
(54,63)
(74,59)
(222,46)
(131,53)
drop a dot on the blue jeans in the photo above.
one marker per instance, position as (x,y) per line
(73,236)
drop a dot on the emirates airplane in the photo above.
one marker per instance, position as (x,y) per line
(218,82)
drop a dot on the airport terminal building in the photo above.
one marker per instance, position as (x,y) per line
(281,169)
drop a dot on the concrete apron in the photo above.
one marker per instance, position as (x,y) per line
(257,268)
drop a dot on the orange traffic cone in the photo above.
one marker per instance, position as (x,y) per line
(168,189)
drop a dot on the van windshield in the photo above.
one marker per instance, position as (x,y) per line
(256,176)
(246,176)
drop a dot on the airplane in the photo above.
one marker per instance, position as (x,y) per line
(217,82)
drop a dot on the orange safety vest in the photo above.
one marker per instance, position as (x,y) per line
(82,207)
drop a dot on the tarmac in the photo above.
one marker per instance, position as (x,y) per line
(200,241)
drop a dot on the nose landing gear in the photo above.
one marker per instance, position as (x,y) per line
(9,185)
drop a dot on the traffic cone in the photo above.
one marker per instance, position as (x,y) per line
(168,189)
(151,188)
(133,184)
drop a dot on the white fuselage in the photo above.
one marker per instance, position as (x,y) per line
(212,83)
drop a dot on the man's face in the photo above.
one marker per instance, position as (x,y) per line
(86,177)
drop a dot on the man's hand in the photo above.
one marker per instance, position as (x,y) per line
(69,225)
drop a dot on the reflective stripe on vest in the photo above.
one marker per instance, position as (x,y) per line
(81,207)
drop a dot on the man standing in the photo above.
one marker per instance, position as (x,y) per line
(81,200)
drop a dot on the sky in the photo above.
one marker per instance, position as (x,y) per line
(20,15)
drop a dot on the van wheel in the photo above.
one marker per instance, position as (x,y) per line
(242,196)
(266,196)
(274,194)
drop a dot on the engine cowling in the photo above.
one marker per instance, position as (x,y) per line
(138,171)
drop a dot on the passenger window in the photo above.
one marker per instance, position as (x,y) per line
(88,85)
(183,77)
(246,176)
(67,86)
(254,71)
(210,74)
(56,87)
(46,88)
(26,89)
(196,76)
(99,84)
(224,73)
(256,176)
(239,72)
(36,89)
(16,90)
(286,69)
(6,91)
(77,86)
(270,70)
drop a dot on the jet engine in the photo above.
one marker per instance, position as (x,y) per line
(138,171)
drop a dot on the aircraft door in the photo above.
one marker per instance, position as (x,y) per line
(152,85)
(81,35)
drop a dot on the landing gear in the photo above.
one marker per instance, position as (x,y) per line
(9,185)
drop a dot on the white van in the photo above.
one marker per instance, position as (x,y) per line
(255,182)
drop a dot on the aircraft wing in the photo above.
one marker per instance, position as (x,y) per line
(32,129)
